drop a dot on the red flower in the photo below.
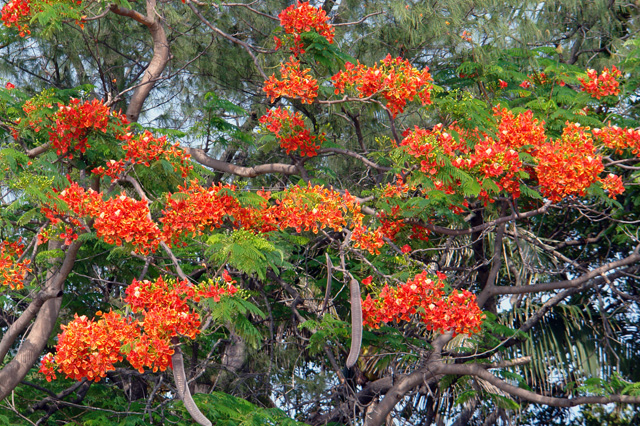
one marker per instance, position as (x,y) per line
(406,248)
(296,83)
(367,281)
(301,18)
(394,78)
(10,86)
(291,132)
(503,84)
(601,85)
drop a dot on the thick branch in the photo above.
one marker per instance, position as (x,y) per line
(25,318)
(479,370)
(159,60)
(557,285)
(405,384)
(249,172)
(505,219)
(36,340)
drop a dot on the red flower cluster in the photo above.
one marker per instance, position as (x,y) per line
(395,79)
(565,167)
(618,138)
(518,131)
(90,348)
(144,149)
(424,296)
(301,18)
(197,209)
(123,218)
(74,122)
(431,147)
(16,13)
(601,85)
(569,165)
(310,209)
(291,132)
(613,185)
(12,272)
(296,83)
(367,239)
(116,219)
(499,163)
(80,203)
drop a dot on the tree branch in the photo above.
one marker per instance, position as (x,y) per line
(201,157)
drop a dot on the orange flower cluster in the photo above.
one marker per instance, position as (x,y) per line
(12,272)
(310,209)
(367,239)
(123,218)
(301,18)
(80,202)
(296,83)
(116,219)
(303,209)
(16,13)
(89,348)
(424,296)
(518,131)
(601,85)
(74,122)
(613,185)
(569,165)
(394,78)
(499,163)
(618,138)
(197,209)
(291,132)
(429,146)
(565,167)
(144,149)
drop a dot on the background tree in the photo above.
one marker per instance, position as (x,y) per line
(506,166)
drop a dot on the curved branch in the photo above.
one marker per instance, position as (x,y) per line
(159,60)
(405,384)
(41,329)
(25,318)
(479,370)
(557,285)
(201,157)
(505,219)
(344,24)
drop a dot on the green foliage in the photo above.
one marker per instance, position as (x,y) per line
(226,410)
(249,252)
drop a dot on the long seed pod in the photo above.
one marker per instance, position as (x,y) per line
(356,323)
(183,390)
(327,293)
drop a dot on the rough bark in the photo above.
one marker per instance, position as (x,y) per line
(159,61)
(36,340)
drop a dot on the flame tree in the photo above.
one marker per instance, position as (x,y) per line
(331,236)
